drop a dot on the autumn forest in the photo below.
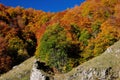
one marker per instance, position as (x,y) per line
(62,40)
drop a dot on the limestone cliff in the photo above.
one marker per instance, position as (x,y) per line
(38,74)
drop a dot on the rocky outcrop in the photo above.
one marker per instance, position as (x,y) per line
(103,67)
(94,74)
(37,73)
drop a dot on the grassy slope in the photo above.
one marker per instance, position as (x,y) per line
(110,58)
(21,72)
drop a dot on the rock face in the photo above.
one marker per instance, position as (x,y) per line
(94,74)
(37,73)
(103,67)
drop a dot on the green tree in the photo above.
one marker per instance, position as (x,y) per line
(75,30)
(17,49)
(95,28)
(85,35)
(55,49)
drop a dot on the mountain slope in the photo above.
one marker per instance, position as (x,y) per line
(20,72)
(70,37)
(103,67)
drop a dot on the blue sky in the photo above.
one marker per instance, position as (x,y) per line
(45,5)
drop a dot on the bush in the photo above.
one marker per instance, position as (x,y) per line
(16,49)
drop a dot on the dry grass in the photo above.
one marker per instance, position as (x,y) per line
(20,72)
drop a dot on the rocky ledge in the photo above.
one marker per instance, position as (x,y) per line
(37,72)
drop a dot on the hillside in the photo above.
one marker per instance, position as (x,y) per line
(103,67)
(19,72)
(62,40)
